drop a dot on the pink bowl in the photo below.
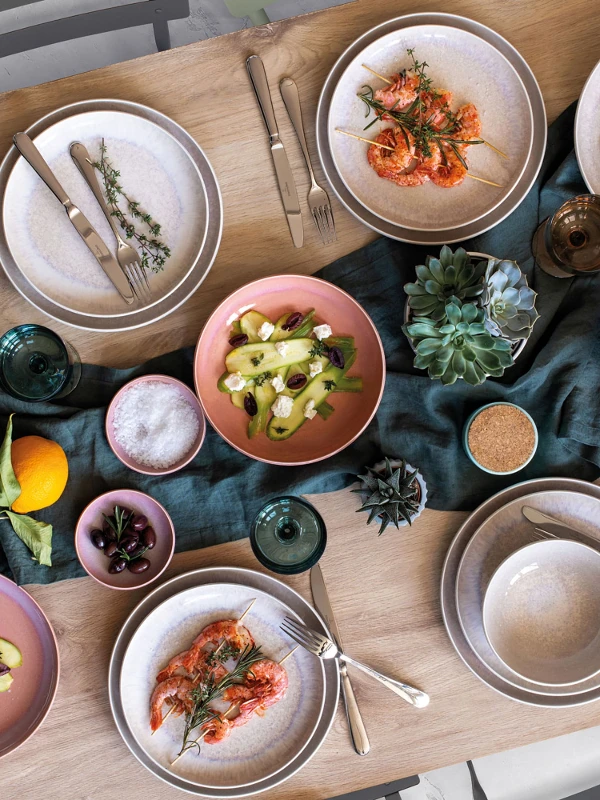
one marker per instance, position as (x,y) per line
(273,296)
(95,563)
(122,455)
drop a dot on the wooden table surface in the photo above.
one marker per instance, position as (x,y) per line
(385,590)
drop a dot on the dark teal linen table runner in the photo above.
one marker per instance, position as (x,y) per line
(213,500)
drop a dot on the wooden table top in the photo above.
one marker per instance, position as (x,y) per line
(385,590)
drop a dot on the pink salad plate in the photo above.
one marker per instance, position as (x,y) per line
(143,468)
(24,706)
(95,563)
(316,439)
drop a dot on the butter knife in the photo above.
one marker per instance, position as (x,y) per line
(283,171)
(81,224)
(360,740)
(555,527)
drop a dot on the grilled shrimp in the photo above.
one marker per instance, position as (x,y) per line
(176,689)
(266,681)
(199,666)
(452,172)
(218,728)
(399,93)
(388,163)
(469,124)
(226,629)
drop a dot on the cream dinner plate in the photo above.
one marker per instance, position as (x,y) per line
(587,131)
(475,72)
(265,745)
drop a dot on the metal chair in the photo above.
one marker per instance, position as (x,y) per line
(253,9)
(391,791)
(146,12)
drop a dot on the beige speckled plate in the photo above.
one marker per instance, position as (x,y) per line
(587,131)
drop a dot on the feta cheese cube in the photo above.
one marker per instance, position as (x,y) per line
(282,407)
(321,332)
(277,383)
(310,412)
(314,368)
(265,330)
(234,382)
(281,347)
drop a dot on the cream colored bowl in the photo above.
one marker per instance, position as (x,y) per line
(541,612)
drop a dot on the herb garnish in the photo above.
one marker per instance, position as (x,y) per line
(319,348)
(260,379)
(154,252)
(330,385)
(257,359)
(121,521)
(280,430)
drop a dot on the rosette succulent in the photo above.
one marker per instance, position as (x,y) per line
(452,275)
(458,346)
(508,301)
(391,494)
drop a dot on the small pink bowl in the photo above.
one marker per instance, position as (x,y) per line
(95,563)
(122,455)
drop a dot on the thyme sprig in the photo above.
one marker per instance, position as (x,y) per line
(154,252)
(210,690)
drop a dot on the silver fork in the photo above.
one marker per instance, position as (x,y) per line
(319,645)
(127,256)
(318,199)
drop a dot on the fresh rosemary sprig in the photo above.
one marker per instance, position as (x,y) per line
(154,252)
(211,690)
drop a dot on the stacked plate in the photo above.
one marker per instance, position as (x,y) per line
(266,751)
(587,135)
(525,617)
(479,67)
(160,166)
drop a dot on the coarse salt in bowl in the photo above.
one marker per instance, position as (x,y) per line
(155,425)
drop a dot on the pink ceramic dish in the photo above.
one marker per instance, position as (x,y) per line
(25,705)
(95,563)
(273,296)
(127,460)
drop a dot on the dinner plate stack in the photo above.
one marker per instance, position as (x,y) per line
(495,532)
(587,135)
(478,66)
(267,750)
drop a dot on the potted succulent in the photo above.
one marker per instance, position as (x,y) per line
(394,492)
(468,317)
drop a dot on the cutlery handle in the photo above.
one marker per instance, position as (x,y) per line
(33,156)
(413,696)
(360,740)
(81,157)
(258,76)
(291,99)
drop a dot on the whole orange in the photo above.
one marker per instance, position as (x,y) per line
(40,465)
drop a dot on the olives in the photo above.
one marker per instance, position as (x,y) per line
(336,357)
(294,321)
(125,537)
(238,340)
(297,381)
(250,405)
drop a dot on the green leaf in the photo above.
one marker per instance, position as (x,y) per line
(436,270)
(433,287)
(9,485)
(422,302)
(423,273)
(469,312)
(36,535)
(446,256)
(427,346)
(453,314)
(414,289)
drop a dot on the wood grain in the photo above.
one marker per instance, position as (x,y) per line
(385,591)
(205,88)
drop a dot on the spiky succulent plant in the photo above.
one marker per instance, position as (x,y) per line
(452,275)
(459,345)
(392,494)
(508,301)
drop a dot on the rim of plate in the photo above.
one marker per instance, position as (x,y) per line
(539,130)
(297,753)
(515,179)
(52,696)
(309,278)
(448,605)
(594,75)
(535,688)
(186,289)
(116,656)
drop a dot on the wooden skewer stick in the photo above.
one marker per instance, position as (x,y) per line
(495,149)
(368,141)
(381,77)
(483,180)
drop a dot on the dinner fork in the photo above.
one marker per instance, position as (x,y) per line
(318,199)
(127,256)
(321,646)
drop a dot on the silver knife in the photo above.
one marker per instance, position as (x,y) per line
(81,224)
(285,178)
(561,529)
(360,740)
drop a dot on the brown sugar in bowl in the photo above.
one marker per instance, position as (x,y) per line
(500,438)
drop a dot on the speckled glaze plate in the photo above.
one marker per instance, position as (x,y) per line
(255,584)
(519,492)
(460,230)
(502,533)
(42,254)
(587,131)
(262,747)
(475,72)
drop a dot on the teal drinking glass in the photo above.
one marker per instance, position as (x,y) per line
(36,364)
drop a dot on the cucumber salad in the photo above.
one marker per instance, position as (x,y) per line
(281,374)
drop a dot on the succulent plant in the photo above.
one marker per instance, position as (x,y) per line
(392,494)
(452,275)
(458,346)
(508,301)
